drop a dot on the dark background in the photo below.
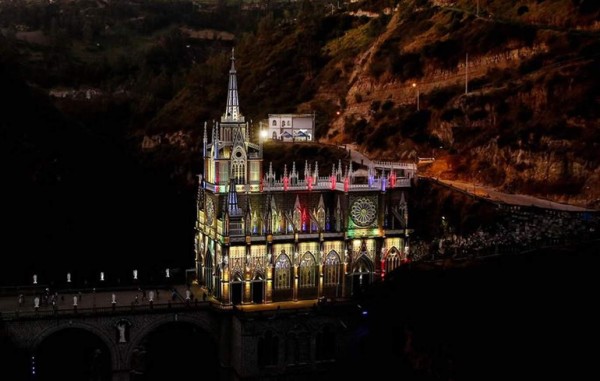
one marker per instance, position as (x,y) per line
(532,316)
(74,199)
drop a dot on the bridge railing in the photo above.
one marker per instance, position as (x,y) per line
(58,313)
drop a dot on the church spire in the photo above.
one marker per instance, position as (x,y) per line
(232,201)
(232,110)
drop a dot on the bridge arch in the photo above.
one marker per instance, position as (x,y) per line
(198,320)
(158,349)
(37,344)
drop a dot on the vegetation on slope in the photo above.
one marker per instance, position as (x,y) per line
(529,122)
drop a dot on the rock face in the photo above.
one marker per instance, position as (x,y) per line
(520,114)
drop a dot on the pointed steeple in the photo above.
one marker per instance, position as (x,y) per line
(268,220)
(297,203)
(216,140)
(248,217)
(297,215)
(403,210)
(204,141)
(294,174)
(232,109)
(232,201)
(338,215)
(270,175)
(273,204)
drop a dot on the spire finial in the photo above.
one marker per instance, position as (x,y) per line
(232,109)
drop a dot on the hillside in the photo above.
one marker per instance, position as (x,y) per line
(149,74)
(526,122)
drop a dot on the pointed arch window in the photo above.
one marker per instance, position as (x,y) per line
(331,269)
(392,260)
(282,272)
(238,166)
(277,223)
(321,218)
(307,271)
(208,270)
(297,216)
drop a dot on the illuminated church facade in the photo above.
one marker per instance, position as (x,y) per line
(266,236)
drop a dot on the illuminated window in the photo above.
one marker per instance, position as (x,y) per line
(297,216)
(282,272)
(321,218)
(331,269)
(238,166)
(255,171)
(307,270)
(208,270)
(392,260)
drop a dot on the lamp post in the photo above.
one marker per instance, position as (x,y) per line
(414,85)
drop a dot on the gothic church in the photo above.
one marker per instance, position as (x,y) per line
(265,236)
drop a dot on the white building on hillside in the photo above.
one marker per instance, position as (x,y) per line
(291,127)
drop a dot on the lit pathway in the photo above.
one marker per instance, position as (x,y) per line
(508,198)
(126,300)
(99,299)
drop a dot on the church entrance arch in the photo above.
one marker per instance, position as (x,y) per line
(258,289)
(237,289)
(362,272)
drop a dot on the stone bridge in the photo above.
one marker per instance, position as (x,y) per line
(121,330)
(248,342)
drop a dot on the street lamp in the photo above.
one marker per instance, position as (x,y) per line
(262,137)
(414,85)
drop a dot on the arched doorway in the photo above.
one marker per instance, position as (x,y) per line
(72,354)
(237,288)
(258,288)
(361,274)
(164,354)
(282,282)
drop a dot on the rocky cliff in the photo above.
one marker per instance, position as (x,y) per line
(504,95)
